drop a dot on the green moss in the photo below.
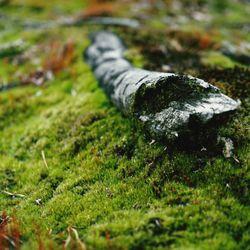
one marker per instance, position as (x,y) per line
(135,57)
(119,189)
(217,59)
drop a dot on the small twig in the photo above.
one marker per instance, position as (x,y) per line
(44,159)
(37,78)
(13,194)
(112,21)
(72,22)
(8,239)
(8,86)
(4,221)
(12,48)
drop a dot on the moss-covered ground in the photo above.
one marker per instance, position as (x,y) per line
(71,162)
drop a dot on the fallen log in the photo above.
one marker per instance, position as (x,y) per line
(169,105)
(70,22)
(112,21)
(12,48)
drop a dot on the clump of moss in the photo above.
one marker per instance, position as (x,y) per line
(105,178)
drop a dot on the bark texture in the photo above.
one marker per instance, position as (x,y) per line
(167,104)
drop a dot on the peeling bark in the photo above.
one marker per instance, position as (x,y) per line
(169,105)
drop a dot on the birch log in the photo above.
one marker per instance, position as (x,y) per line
(169,105)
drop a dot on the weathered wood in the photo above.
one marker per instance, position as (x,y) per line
(69,22)
(12,48)
(168,104)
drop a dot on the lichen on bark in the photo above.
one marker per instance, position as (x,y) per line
(169,105)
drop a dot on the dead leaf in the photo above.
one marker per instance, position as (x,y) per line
(205,41)
(98,8)
(59,58)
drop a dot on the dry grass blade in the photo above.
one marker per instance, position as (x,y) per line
(81,244)
(75,242)
(66,244)
(59,59)
(44,159)
(9,232)
(13,194)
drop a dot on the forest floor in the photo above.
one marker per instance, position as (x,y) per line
(75,173)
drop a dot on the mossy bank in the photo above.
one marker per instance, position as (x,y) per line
(69,158)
